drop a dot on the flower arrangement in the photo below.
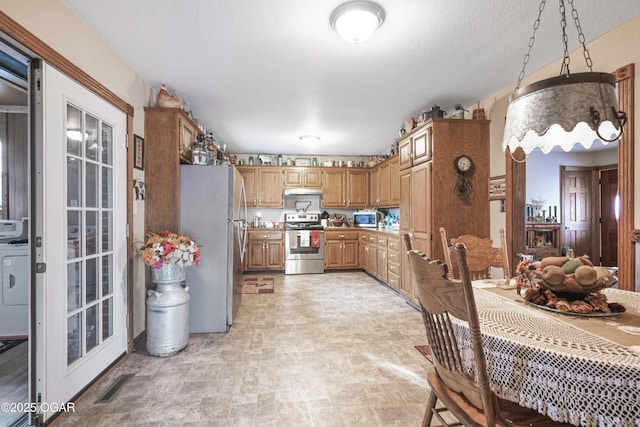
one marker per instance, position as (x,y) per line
(167,247)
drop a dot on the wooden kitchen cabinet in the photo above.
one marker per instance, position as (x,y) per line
(263,186)
(265,250)
(381,258)
(416,147)
(427,198)
(343,188)
(393,262)
(169,135)
(302,177)
(384,184)
(340,249)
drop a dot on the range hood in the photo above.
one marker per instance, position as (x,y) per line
(303,191)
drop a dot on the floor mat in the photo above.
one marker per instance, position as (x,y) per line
(425,350)
(257,285)
(9,344)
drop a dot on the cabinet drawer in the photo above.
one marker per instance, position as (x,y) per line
(341,235)
(393,256)
(373,238)
(265,235)
(382,241)
(393,267)
(393,244)
(364,237)
(393,280)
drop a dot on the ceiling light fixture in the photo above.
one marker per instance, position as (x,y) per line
(564,110)
(355,21)
(309,139)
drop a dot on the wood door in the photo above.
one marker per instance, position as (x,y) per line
(275,255)
(374,186)
(350,254)
(577,210)
(333,189)
(249,175)
(404,153)
(422,146)
(270,188)
(255,256)
(312,178)
(332,254)
(357,184)
(405,203)
(381,260)
(293,177)
(608,220)
(421,208)
(394,181)
(383,184)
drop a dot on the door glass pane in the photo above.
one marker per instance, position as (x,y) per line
(92,235)
(91,285)
(107,235)
(74,295)
(107,318)
(74,248)
(107,144)
(74,182)
(107,187)
(74,130)
(74,347)
(107,275)
(91,177)
(92,323)
(91,129)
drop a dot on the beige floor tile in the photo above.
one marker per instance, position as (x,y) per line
(323,350)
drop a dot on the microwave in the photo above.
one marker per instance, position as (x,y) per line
(368,219)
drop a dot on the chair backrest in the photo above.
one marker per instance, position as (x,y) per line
(407,241)
(442,300)
(481,254)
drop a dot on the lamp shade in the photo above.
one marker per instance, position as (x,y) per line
(355,21)
(563,111)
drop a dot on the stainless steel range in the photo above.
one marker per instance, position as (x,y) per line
(303,243)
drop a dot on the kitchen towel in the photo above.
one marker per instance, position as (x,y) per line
(304,238)
(315,238)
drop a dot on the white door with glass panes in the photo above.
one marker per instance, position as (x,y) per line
(80,211)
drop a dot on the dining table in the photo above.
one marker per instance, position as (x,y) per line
(578,369)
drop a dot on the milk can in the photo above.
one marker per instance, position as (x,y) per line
(167,311)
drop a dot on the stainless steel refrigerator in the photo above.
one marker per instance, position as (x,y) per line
(213,211)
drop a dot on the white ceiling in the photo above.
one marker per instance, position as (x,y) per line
(259,74)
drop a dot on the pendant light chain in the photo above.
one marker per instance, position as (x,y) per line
(532,40)
(564,69)
(581,38)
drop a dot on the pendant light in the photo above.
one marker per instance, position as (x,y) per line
(565,110)
(355,21)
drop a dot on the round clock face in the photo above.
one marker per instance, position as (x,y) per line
(463,163)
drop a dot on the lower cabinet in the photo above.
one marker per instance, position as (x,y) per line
(340,249)
(380,256)
(265,250)
(393,262)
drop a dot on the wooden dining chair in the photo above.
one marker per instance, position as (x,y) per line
(465,396)
(481,253)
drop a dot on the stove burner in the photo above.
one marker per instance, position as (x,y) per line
(302,221)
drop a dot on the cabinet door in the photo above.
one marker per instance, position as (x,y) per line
(371,259)
(274,255)
(312,178)
(421,208)
(383,184)
(250,176)
(374,187)
(333,189)
(394,182)
(350,254)
(381,267)
(270,187)
(405,202)
(405,153)
(357,184)
(255,256)
(422,146)
(333,254)
(293,177)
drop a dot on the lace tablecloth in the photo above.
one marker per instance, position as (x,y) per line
(544,361)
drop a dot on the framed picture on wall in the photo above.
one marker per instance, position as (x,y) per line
(138,152)
(497,188)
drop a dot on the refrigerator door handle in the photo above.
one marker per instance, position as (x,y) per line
(242,231)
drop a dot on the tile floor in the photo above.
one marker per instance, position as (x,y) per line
(323,350)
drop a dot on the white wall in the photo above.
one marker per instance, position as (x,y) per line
(53,23)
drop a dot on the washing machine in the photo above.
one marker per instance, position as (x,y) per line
(15,274)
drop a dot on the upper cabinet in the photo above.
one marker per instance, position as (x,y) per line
(345,188)
(263,186)
(384,190)
(416,147)
(302,177)
(169,134)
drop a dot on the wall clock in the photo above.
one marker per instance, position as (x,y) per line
(464,169)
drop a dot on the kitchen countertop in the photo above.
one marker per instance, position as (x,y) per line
(385,231)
